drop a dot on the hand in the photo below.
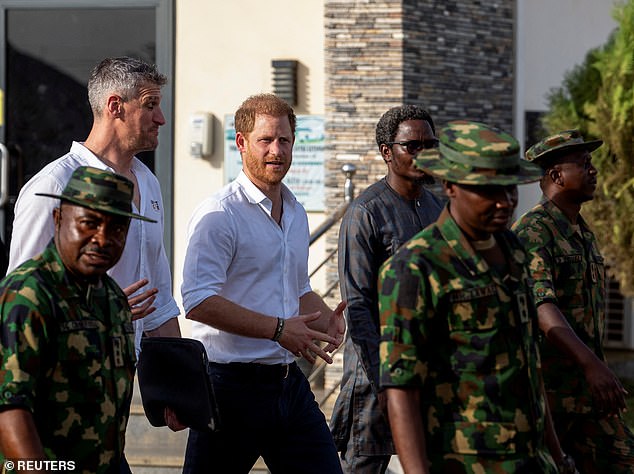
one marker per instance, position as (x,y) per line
(301,340)
(607,392)
(141,304)
(337,327)
(172,420)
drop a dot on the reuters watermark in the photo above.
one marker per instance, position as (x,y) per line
(38,465)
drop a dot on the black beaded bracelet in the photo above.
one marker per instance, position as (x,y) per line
(278,330)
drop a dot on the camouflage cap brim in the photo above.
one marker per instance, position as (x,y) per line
(560,144)
(524,173)
(97,206)
(100,190)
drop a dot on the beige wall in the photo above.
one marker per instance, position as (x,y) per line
(557,34)
(223,55)
(552,37)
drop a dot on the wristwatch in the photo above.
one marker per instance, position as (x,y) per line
(567,465)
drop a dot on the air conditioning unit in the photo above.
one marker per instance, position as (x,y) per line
(618,318)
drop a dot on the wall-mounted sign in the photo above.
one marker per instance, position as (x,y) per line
(306,175)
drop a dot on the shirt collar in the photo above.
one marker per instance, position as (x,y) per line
(459,244)
(473,261)
(89,157)
(253,193)
(92,160)
(561,221)
(256,196)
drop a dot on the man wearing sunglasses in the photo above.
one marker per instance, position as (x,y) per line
(384,216)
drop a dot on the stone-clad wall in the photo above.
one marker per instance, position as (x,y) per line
(459,59)
(364,77)
(453,57)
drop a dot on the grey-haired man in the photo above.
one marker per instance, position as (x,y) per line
(125,98)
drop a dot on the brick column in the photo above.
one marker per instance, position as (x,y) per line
(454,58)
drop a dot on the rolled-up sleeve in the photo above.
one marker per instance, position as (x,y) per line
(210,249)
(22,342)
(537,241)
(402,309)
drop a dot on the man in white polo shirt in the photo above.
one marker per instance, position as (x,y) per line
(125,97)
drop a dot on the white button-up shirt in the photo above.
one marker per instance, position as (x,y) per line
(236,250)
(144,253)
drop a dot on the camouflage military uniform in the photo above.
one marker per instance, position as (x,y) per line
(568,270)
(67,356)
(454,328)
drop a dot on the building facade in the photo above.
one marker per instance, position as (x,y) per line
(491,61)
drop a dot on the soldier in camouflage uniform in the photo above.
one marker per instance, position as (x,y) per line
(585,397)
(459,358)
(66,337)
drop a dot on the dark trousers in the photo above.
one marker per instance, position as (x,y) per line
(355,463)
(124,467)
(266,411)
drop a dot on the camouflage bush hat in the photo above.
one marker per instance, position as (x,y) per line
(560,144)
(100,190)
(475,153)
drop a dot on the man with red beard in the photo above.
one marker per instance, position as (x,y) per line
(586,399)
(247,291)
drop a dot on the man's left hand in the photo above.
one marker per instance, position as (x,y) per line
(141,304)
(337,326)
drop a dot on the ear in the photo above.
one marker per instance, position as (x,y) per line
(57,216)
(241,142)
(114,105)
(449,188)
(386,153)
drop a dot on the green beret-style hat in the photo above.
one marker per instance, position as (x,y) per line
(560,144)
(475,153)
(100,190)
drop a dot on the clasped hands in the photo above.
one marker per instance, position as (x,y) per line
(302,339)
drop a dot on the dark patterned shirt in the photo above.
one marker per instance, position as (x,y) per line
(568,270)
(377,223)
(67,356)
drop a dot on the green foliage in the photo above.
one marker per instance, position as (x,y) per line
(597,97)
(569,102)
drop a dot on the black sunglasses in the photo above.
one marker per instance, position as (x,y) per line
(414,146)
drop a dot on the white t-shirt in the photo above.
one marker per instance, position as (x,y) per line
(144,253)
(236,250)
